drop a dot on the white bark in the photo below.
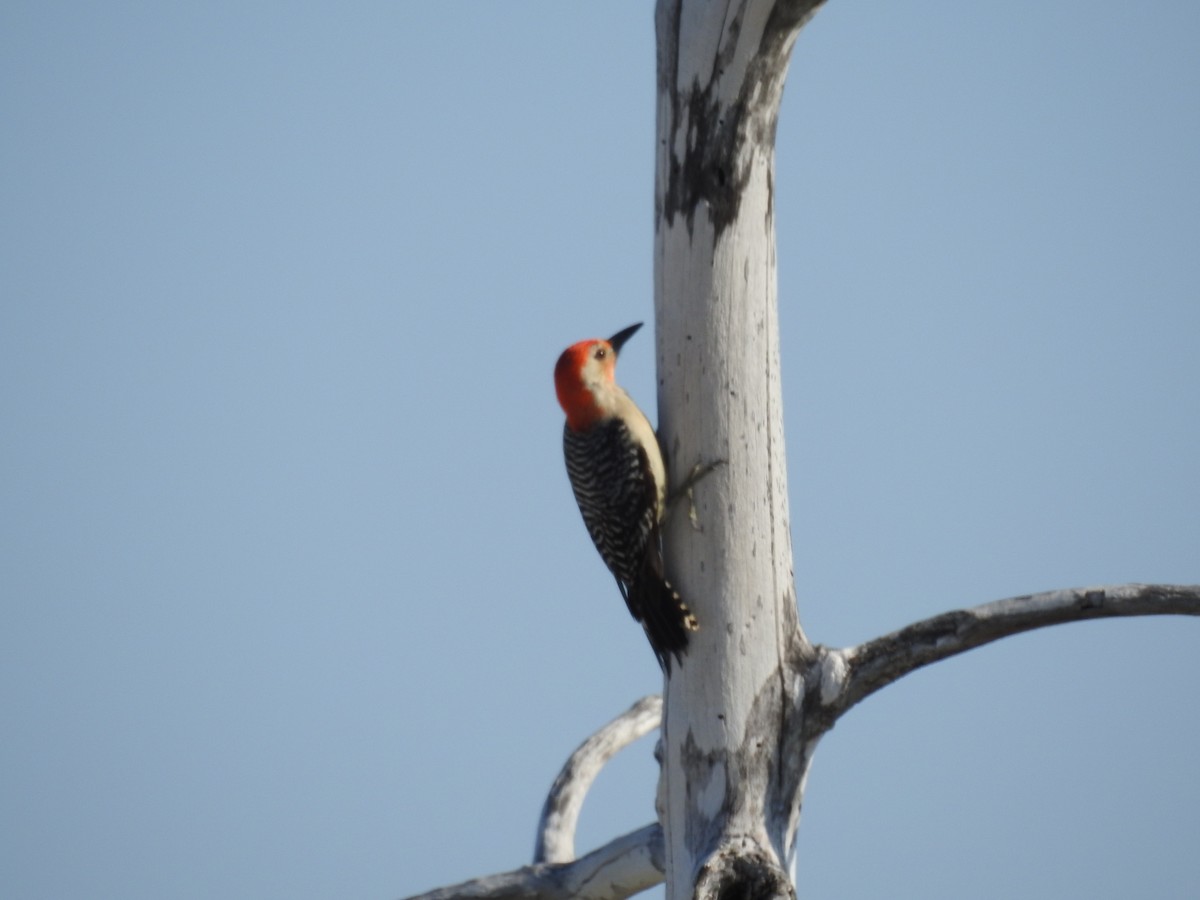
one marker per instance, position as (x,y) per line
(732,772)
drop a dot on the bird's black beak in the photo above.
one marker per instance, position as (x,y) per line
(618,340)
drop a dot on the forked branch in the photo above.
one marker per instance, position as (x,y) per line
(617,870)
(635,862)
(560,813)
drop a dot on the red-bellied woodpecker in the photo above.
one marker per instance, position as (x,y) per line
(620,482)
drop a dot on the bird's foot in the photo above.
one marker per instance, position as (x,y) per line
(699,471)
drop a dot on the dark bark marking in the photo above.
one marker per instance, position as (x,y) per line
(721,142)
(762,776)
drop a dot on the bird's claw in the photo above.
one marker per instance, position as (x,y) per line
(699,471)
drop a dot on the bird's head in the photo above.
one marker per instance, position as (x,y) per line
(584,377)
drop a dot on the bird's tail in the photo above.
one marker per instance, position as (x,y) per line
(664,615)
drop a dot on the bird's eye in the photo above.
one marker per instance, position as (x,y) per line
(601,353)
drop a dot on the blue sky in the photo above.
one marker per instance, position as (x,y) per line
(297,601)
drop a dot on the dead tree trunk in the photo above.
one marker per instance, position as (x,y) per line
(733,770)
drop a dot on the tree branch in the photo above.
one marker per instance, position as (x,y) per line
(617,870)
(560,813)
(849,675)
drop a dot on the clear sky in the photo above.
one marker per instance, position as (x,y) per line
(296,600)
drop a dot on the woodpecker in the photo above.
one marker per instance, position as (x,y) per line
(620,483)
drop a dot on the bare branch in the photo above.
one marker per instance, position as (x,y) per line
(560,813)
(849,675)
(617,870)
